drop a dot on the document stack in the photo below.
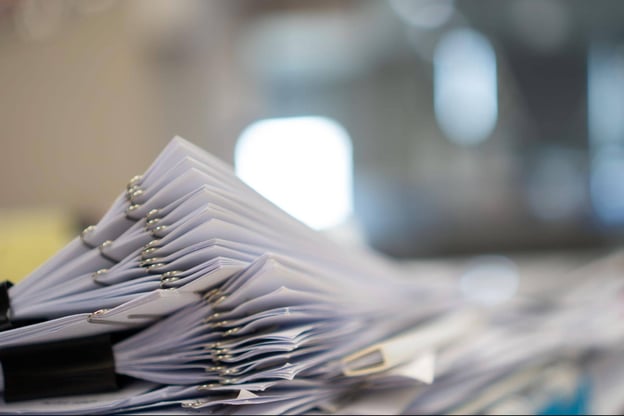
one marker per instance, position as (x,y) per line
(194,294)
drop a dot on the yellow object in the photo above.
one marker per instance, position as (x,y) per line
(28,237)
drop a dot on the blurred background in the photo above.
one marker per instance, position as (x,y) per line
(420,127)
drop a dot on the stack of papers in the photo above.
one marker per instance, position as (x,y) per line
(195,294)
(215,298)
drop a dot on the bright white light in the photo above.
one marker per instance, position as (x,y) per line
(304,165)
(490,280)
(465,86)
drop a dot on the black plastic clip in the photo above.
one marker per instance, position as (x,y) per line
(5,305)
(6,320)
(59,368)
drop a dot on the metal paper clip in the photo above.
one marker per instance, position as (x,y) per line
(97,274)
(154,266)
(403,348)
(158,229)
(150,261)
(152,214)
(149,224)
(84,233)
(130,209)
(145,254)
(152,243)
(135,180)
(136,192)
(166,280)
(103,253)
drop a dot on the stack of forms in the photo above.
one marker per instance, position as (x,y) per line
(195,294)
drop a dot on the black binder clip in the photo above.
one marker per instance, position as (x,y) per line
(59,368)
(5,306)
(6,320)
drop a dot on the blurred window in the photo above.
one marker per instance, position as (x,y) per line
(302,164)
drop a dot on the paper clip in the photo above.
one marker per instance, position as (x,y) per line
(90,229)
(403,348)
